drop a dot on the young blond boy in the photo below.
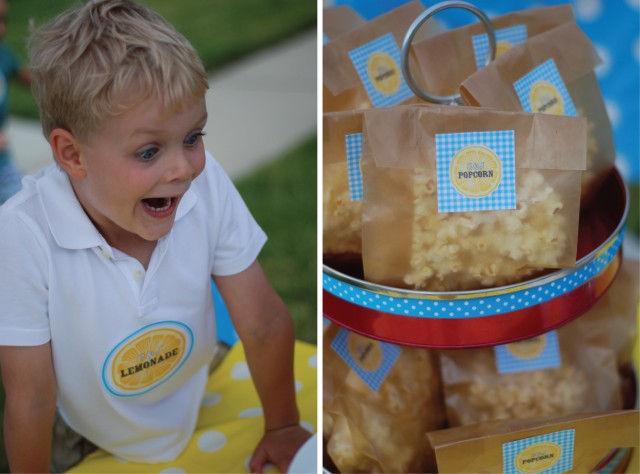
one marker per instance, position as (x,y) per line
(105,305)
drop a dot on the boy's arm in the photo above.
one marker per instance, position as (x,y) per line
(266,330)
(29,383)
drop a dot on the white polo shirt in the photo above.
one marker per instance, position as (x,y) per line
(131,347)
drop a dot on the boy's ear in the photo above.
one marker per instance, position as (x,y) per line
(66,150)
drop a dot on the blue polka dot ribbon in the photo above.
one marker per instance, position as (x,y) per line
(475,305)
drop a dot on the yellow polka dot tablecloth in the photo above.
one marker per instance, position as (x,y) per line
(230,423)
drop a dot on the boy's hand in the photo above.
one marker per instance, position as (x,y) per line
(278,447)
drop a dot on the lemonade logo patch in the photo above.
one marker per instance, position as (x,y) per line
(147,358)
(536,353)
(370,359)
(549,453)
(378,65)
(475,171)
(506,38)
(542,90)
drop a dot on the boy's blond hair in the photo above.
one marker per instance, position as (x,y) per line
(97,60)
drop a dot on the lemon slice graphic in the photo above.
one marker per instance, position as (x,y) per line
(365,352)
(475,171)
(147,358)
(383,73)
(545,98)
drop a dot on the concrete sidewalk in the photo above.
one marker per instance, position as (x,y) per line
(258,108)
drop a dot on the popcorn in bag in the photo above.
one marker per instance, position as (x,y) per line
(445,60)
(461,198)
(595,442)
(379,401)
(362,68)
(561,372)
(342,186)
(552,73)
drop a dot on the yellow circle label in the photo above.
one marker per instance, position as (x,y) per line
(528,349)
(502,47)
(538,457)
(475,171)
(383,73)
(545,98)
(147,358)
(364,352)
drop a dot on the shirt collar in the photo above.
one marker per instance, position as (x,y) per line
(69,224)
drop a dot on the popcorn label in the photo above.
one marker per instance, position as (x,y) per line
(536,353)
(542,90)
(378,65)
(506,38)
(370,359)
(475,171)
(383,73)
(550,453)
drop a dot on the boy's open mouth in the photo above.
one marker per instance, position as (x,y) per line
(160,205)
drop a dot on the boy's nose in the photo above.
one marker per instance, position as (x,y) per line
(181,167)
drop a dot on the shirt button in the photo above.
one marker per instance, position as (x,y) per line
(104,252)
(137,276)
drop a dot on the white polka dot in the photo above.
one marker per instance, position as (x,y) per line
(634,4)
(211,441)
(240,371)
(264,469)
(605,66)
(588,10)
(210,399)
(250,413)
(298,385)
(313,361)
(173,470)
(307,426)
(636,49)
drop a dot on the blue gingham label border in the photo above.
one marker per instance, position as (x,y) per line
(508,360)
(513,35)
(564,463)
(547,71)
(360,59)
(473,307)
(373,378)
(353,145)
(501,142)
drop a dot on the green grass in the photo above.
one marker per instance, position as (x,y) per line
(221,31)
(281,196)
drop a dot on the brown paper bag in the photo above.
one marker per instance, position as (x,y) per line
(362,69)
(418,231)
(598,442)
(339,20)
(551,73)
(444,61)
(379,401)
(342,187)
(563,372)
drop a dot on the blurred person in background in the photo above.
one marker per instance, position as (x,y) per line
(10,68)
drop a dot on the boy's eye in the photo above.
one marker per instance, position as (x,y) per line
(193,138)
(147,154)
